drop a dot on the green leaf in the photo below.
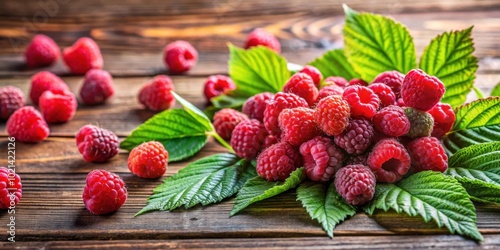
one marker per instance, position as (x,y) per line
(256,70)
(195,112)
(205,181)
(432,196)
(478,92)
(496,90)
(324,204)
(257,189)
(334,63)
(375,43)
(450,58)
(228,101)
(482,192)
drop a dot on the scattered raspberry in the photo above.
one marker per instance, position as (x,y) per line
(356,183)
(400,103)
(247,138)
(269,141)
(444,117)
(357,160)
(58,107)
(357,137)
(332,115)
(226,120)
(97,87)
(362,100)
(391,121)
(11,99)
(321,158)
(302,85)
(217,85)
(11,189)
(254,106)
(337,80)
(297,125)
(421,91)
(43,81)
(27,125)
(156,95)
(148,160)
(280,102)
(393,79)
(104,192)
(357,82)
(389,160)
(427,153)
(264,38)
(42,51)
(180,56)
(96,144)
(420,123)
(277,162)
(384,93)
(314,73)
(330,90)
(83,56)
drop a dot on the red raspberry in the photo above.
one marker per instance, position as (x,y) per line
(357,137)
(357,82)
(27,125)
(427,153)
(444,117)
(384,93)
(391,121)
(400,103)
(226,120)
(362,100)
(11,99)
(321,158)
(180,56)
(393,79)
(389,160)
(420,123)
(104,192)
(277,162)
(43,81)
(337,80)
(330,90)
(97,87)
(148,160)
(83,56)
(280,102)
(421,91)
(217,85)
(42,51)
(96,144)
(156,95)
(356,184)
(58,107)
(332,115)
(264,38)
(302,85)
(269,141)
(357,160)
(247,138)
(297,125)
(11,189)
(255,106)
(314,73)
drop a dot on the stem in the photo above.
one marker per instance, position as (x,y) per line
(479,93)
(222,141)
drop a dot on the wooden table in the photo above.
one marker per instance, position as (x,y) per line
(51,213)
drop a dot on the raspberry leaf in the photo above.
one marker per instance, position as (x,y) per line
(496,90)
(194,112)
(257,189)
(324,204)
(205,181)
(450,58)
(334,63)
(482,192)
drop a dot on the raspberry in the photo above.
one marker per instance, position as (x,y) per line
(96,144)
(357,137)
(277,162)
(217,85)
(254,106)
(393,79)
(83,56)
(332,115)
(58,107)
(264,38)
(156,95)
(400,103)
(27,125)
(356,184)
(314,73)
(97,87)
(427,153)
(247,138)
(274,107)
(389,160)
(420,123)
(226,120)
(357,159)
(357,82)
(104,192)
(444,117)
(11,99)
(148,160)
(330,90)
(297,125)
(362,100)
(321,158)
(180,56)
(43,81)
(337,80)
(42,51)
(391,121)
(302,85)
(384,93)
(11,189)
(421,91)
(269,141)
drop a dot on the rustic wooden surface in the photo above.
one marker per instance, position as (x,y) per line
(51,213)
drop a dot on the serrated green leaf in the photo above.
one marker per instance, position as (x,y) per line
(450,58)
(496,90)
(195,112)
(375,43)
(228,101)
(257,189)
(334,63)
(205,181)
(481,191)
(324,204)
(459,139)
(432,196)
